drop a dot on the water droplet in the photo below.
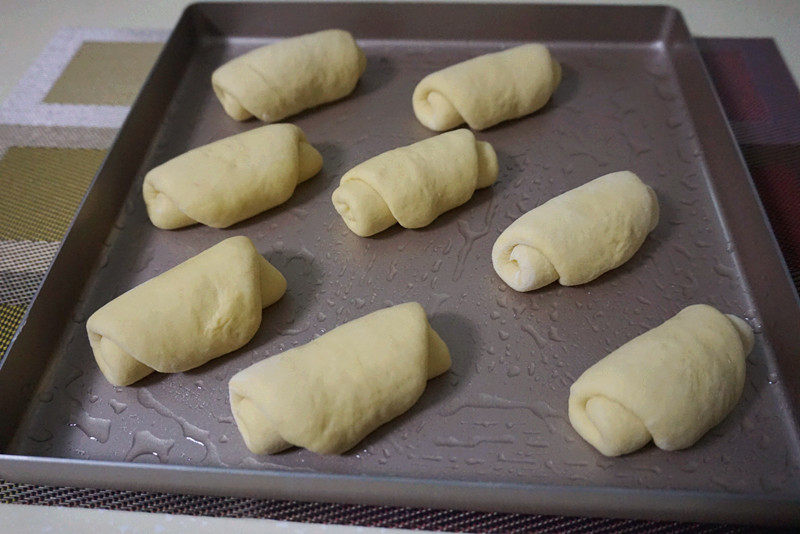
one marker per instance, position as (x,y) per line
(190,431)
(453,441)
(501,457)
(674,121)
(603,462)
(40,435)
(117,406)
(95,428)
(253,463)
(392,271)
(448,247)
(552,333)
(146,443)
(690,467)
(502,301)
(294,331)
(540,409)
(429,458)
(142,263)
(300,213)
(503,334)
(649,468)
(470,236)
(772,378)
(755,323)
(528,329)
(439,299)
(665,92)
(724,270)
(637,147)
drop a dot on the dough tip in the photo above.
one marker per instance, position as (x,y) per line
(488,168)
(744,331)
(361,207)
(524,268)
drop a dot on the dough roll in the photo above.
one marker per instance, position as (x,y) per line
(327,395)
(284,78)
(414,184)
(577,236)
(230,180)
(203,308)
(671,384)
(489,89)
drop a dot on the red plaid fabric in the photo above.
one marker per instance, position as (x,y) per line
(762,103)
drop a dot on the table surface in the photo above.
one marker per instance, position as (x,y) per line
(26,27)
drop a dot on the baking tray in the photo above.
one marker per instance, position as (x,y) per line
(492,434)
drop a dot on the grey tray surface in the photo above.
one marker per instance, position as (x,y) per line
(492,433)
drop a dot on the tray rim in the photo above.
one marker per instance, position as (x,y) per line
(506,497)
(510,497)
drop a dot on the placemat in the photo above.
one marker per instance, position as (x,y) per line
(56,126)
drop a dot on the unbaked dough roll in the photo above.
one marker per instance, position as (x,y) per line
(230,180)
(284,78)
(327,395)
(414,184)
(488,89)
(577,236)
(671,384)
(203,308)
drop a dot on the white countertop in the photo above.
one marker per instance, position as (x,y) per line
(22,519)
(26,26)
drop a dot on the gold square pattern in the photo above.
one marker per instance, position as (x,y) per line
(40,189)
(104,73)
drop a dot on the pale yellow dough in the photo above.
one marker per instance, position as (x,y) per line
(203,308)
(284,78)
(327,395)
(579,235)
(671,384)
(230,180)
(488,89)
(414,184)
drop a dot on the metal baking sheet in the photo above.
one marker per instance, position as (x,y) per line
(491,434)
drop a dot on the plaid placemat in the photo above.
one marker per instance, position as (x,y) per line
(58,123)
